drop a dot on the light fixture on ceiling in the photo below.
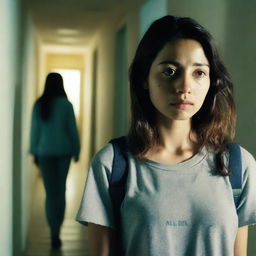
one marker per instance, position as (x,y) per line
(68,40)
(68,31)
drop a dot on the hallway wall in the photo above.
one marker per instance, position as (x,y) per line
(240,56)
(8,37)
(17,71)
(150,11)
(28,84)
(104,42)
(211,14)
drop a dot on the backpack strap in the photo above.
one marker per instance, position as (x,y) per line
(235,166)
(117,183)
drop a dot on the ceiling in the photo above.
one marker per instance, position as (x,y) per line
(71,22)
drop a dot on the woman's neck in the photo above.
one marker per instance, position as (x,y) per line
(176,135)
(176,143)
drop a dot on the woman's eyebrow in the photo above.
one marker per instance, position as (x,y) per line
(198,64)
(176,63)
(172,62)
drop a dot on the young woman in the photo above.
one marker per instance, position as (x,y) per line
(54,141)
(178,199)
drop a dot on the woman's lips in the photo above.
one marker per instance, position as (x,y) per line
(182,104)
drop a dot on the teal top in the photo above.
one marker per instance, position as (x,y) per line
(58,135)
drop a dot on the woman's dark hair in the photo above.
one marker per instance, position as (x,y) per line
(214,123)
(53,88)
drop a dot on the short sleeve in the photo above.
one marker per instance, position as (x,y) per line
(96,205)
(246,208)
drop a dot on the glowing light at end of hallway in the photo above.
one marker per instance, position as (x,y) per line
(72,81)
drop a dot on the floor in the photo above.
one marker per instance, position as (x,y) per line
(73,234)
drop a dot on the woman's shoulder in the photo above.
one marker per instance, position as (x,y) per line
(247,157)
(104,157)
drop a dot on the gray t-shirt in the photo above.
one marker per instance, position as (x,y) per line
(172,209)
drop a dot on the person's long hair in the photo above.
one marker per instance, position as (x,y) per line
(53,88)
(214,123)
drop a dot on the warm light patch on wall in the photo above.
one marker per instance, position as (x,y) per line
(72,82)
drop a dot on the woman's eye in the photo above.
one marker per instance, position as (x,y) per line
(169,72)
(200,73)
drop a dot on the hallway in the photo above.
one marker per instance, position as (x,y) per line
(73,234)
(98,39)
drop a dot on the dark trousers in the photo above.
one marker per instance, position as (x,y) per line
(54,171)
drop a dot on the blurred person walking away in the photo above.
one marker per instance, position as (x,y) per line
(54,140)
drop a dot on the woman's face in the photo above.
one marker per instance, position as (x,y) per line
(179,79)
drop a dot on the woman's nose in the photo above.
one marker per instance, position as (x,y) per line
(183,84)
